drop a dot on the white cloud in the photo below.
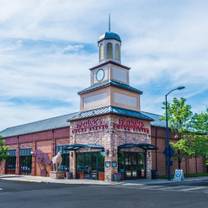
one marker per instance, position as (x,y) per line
(43,53)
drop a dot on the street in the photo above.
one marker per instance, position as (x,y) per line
(32,195)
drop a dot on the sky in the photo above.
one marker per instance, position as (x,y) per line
(47,47)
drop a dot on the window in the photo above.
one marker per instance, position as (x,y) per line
(101,52)
(11,162)
(117,52)
(109,51)
(25,161)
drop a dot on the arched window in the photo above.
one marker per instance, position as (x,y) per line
(109,51)
(101,52)
(117,52)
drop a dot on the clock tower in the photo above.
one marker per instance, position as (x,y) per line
(109,79)
(110,120)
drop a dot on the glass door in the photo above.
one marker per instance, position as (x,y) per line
(89,165)
(131,164)
(25,165)
(65,162)
(11,165)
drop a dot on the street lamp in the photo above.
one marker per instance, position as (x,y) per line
(167,136)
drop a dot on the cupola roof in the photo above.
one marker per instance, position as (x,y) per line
(109,36)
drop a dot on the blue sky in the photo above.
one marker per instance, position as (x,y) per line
(47,47)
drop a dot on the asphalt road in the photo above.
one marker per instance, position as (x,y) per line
(42,195)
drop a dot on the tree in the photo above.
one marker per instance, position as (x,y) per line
(179,118)
(3,150)
(200,122)
(191,130)
(200,129)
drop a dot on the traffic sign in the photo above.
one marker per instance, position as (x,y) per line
(179,175)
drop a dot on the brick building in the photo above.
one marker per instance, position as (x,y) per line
(109,136)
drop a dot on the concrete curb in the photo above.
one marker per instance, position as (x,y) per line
(39,179)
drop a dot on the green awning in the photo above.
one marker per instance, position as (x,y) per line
(74,147)
(144,146)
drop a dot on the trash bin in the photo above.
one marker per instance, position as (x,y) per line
(154,174)
(69,175)
(116,177)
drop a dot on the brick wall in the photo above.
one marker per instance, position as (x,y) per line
(110,138)
(44,141)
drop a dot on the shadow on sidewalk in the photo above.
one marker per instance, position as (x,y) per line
(11,176)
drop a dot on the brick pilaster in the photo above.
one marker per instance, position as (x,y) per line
(72,163)
(53,144)
(33,159)
(3,167)
(149,164)
(17,170)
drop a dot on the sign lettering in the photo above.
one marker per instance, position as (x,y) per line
(131,125)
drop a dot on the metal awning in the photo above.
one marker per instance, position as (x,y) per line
(74,147)
(144,146)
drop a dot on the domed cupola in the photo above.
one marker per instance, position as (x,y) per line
(109,36)
(109,46)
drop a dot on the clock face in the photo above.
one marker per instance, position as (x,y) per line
(100,75)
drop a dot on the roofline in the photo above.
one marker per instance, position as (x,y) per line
(34,132)
(110,113)
(147,119)
(110,62)
(151,113)
(107,84)
(68,120)
(63,127)
(76,119)
(104,38)
(38,121)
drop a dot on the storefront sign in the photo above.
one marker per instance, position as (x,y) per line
(131,125)
(95,124)
(179,175)
(91,124)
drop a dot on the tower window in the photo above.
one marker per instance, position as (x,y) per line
(109,51)
(117,52)
(101,52)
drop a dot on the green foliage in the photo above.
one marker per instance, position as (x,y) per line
(191,130)
(200,145)
(183,146)
(200,129)
(3,150)
(179,115)
(200,122)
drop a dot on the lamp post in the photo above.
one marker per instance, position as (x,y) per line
(167,135)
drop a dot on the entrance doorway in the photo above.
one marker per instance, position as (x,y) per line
(65,162)
(90,165)
(132,165)
(11,162)
(25,161)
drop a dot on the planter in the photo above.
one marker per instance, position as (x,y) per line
(80,175)
(101,176)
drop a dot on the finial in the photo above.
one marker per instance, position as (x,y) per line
(109,22)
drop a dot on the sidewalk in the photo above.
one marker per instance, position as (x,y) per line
(40,179)
(163,181)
